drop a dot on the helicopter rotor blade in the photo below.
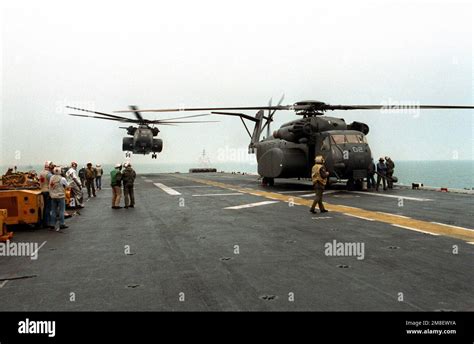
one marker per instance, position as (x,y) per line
(180,122)
(134,109)
(100,113)
(166,119)
(241,115)
(107,118)
(393,107)
(310,106)
(281,107)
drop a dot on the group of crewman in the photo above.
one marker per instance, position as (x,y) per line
(384,170)
(54,180)
(319,175)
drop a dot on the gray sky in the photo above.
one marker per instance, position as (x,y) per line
(107,55)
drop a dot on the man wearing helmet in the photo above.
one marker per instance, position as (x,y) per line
(44,178)
(75,185)
(319,176)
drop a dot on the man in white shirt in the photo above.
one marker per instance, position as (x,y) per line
(57,192)
(75,184)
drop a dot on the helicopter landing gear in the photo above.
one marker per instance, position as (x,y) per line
(268,181)
(128,154)
(354,184)
(154,156)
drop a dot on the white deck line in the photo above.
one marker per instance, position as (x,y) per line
(167,189)
(251,205)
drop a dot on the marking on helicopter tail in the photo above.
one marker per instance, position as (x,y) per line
(466,234)
(167,189)
(251,205)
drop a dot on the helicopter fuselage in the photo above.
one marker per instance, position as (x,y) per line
(290,151)
(142,140)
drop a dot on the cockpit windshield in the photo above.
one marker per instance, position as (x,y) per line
(348,138)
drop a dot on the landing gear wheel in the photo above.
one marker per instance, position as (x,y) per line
(128,154)
(268,181)
(154,156)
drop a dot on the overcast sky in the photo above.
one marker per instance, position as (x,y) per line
(107,55)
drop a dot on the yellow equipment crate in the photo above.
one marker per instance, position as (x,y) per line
(23,206)
(4,235)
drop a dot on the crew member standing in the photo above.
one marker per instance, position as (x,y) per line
(390,168)
(115,183)
(98,177)
(319,176)
(57,191)
(128,178)
(90,179)
(82,175)
(370,175)
(381,174)
(75,185)
(44,178)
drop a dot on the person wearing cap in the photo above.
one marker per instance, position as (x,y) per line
(75,185)
(90,178)
(128,178)
(44,178)
(390,168)
(381,174)
(319,175)
(57,192)
(115,183)
(98,176)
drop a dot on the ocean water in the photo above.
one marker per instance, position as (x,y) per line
(452,174)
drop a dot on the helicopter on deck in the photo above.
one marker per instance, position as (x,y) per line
(142,140)
(290,151)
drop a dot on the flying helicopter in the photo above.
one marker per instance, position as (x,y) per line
(142,140)
(290,151)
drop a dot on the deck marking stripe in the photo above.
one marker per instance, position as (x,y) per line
(392,196)
(397,215)
(193,186)
(413,229)
(220,194)
(251,205)
(167,189)
(463,234)
(3,284)
(452,226)
(470,242)
(359,217)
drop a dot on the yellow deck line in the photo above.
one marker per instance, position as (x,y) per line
(435,228)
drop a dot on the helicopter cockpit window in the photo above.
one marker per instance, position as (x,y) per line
(338,139)
(354,138)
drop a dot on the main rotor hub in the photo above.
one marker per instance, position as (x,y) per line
(312,108)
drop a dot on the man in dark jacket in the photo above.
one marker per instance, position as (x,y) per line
(370,175)
(128,178)
(116,183)
(381,174)
(390,168)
